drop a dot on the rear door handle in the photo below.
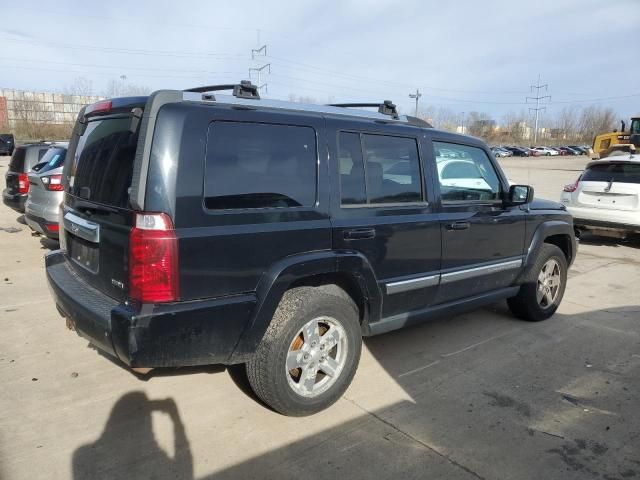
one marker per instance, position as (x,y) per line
(458,226)
(359,234)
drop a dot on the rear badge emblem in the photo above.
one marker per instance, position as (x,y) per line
(118,284)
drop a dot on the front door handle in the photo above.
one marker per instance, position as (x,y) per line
(458,226)
(359,234)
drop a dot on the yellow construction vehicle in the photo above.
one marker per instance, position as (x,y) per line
(605,141)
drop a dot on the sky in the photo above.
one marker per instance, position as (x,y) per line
(462,55)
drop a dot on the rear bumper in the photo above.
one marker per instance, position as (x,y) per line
(602,218)
(198,332)
(14,200)
(42,226)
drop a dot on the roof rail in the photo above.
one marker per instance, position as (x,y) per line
(386,108)
(245,89)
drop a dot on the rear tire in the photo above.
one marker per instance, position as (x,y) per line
(309,353)
(542,291)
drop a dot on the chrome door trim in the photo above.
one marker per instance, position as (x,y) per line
(412,284)
(479,271)
(82,228)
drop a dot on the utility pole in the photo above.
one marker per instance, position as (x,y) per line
(463,129)
(538,108)
(260,52)
(417,96)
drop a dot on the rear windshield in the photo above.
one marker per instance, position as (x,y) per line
(54,158)
(103,162)
(6,138)
(613,172)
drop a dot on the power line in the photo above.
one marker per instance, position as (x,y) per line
(538,108)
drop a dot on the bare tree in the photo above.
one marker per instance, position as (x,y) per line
(80,86)
(595,120)
(121,88)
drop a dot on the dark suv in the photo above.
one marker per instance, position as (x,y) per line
(200,228)
(24,158)
(7,144)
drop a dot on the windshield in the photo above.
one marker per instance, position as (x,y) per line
(103,162)
(635,126)
(54,158)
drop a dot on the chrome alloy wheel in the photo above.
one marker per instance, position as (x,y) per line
(316,356)
(549,281)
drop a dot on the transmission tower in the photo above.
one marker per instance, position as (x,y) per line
(537,87)
(260,52)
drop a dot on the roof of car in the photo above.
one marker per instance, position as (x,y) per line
(626,158)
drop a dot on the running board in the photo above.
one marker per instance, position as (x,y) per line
(417,317)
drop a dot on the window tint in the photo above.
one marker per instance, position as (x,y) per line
(53,158)
(393,169)
(391,173)
(17,160)
(254,165)
(613,172)
(465,174)
(352,189)
(103,163)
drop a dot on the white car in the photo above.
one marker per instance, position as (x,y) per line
(461,174)
(546,151)
(605,199)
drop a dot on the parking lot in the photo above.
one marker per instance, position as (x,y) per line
(477,396)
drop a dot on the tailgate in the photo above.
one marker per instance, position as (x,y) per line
(97,216)
(618,196)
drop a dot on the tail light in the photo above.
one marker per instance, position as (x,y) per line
(572,187)
(23,183)
(53,182)
(153,259)
(53,227)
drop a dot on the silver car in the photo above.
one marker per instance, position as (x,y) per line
(46,192)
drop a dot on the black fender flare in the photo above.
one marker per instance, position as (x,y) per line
(281,275)
(543,231)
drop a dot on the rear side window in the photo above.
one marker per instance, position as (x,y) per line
(258,165)
(378,169)
(53,158)
(103,162)
(613,172)
(17,160)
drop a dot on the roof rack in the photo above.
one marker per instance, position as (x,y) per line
(386,108)
(244,89)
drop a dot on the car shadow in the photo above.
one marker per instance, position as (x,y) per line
(506,405)
(21,220)
(598,241)
(47,243)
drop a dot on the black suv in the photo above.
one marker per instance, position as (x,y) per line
(201,228)
(24,159)
(7,144)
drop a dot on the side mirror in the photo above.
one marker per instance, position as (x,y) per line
(519,195)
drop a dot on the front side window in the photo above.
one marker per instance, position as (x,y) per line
(378,169)
(465,174)
(257,165)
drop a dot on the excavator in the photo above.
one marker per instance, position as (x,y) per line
(618,140)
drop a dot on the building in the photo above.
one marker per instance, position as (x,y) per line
(19,106)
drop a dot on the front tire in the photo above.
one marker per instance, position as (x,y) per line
(309,353)
(541,293)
